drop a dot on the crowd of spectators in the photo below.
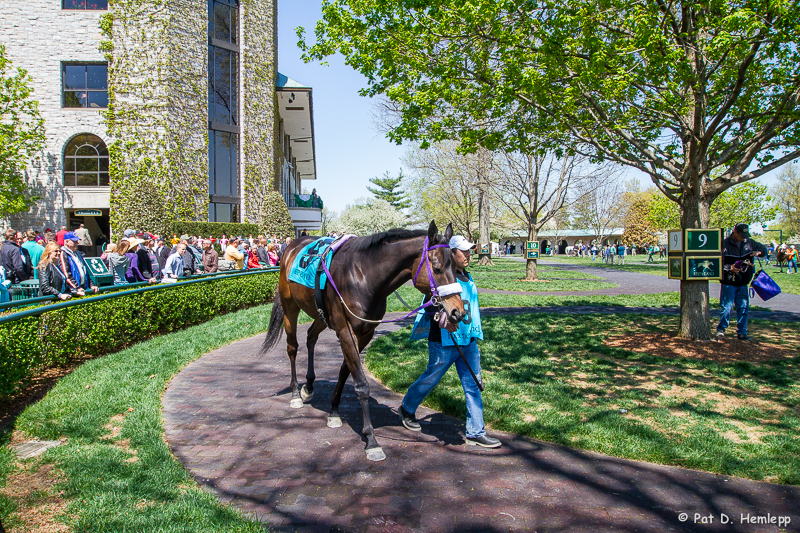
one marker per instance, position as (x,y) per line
(56,259)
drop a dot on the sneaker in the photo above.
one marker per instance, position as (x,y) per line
(409,420)
(485,441)
(742,337)
(720,334)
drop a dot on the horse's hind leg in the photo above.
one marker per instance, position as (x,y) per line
(307,390)
(291,312)
(334,420)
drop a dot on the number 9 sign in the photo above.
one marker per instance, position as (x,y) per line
(675,240)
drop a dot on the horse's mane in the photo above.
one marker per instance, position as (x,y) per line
(393,235)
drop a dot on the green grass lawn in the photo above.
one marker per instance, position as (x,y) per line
(635,263)
(509,275)
(115,472)
(554,379)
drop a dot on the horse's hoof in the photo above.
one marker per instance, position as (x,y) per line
(334,422)
(376,454)
(305,395)
(296,403)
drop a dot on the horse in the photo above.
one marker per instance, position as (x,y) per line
(781,257)
(366,271)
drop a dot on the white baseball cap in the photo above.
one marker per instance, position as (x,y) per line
(459,242)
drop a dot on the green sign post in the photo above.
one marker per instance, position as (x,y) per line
(99,272)
(703,267)
(695,254)
(532,254)
(484,249)
(532,245)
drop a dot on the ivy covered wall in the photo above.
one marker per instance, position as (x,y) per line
(158,113)
(260,113)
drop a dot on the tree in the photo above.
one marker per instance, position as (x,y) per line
(748,203)
(326,219)
(536,190)
(601,205)
(444,186)
(639,230)
(664,214)
(389,190)
(787,199)
(21,136)
(700,96)
(368,216)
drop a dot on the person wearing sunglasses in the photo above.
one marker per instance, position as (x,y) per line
(738,251)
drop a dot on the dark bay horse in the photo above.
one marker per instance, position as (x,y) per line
(366,270)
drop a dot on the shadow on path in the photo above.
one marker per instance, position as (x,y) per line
(228,420)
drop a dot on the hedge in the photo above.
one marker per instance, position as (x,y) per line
(216,229)
(32,344)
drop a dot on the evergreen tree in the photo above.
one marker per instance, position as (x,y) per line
(389,190)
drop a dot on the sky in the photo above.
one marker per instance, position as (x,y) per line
(349,149)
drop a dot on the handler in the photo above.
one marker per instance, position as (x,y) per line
(442,353)
(733,286)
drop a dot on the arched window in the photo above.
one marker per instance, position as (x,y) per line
(86,162)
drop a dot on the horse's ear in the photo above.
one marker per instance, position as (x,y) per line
(448,233)
(432,232)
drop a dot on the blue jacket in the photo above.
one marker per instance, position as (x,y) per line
(70,266)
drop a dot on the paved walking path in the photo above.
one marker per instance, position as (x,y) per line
(227,418)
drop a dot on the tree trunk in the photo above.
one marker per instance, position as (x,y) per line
(531,268)
(695,315)
(483,208)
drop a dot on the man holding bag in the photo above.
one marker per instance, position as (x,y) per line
(442,353)
(737,247)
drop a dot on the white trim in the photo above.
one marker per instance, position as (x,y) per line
(452,288)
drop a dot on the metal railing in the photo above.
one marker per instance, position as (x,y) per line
(118,291)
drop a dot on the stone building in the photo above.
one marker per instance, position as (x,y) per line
(159,111)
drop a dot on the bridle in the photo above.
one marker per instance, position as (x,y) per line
(437,293)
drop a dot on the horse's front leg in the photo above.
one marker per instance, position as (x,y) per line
(307,390)
(352,356)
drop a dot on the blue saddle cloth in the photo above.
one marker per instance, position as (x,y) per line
(305,264)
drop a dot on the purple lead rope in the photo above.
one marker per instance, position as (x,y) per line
(434,288)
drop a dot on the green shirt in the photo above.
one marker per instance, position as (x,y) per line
(35,250)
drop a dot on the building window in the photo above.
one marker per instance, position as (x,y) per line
(223,110)
(92,5)
(218,212)
(85,85)
(86,162)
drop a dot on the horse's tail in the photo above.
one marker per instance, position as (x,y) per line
(275,324)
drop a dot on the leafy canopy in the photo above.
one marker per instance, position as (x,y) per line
(700,95)
(21,136)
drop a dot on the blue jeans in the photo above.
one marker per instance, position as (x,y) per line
(728,296)
(792,265)
(440,358)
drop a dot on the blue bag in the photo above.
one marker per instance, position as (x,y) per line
(763,285)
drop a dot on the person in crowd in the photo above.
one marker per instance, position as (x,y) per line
(252,259)
(110,247)
(147,256)
(442,353)
(35,250)
(162,251)
(791,256)
(11,258)
(139,263)
(223,243)
(272,253)
(100,245)
(118,262)
(85,240)
(190,265)
(737,247)
(261,252)
(232,253)
(74,267)
(770,251)
(621,253)
(210,257)
(174,268)
(195,247)
(28,263)
(60,235)
(52,281)
(304,233)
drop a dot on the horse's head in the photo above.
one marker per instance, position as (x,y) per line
(436,275)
